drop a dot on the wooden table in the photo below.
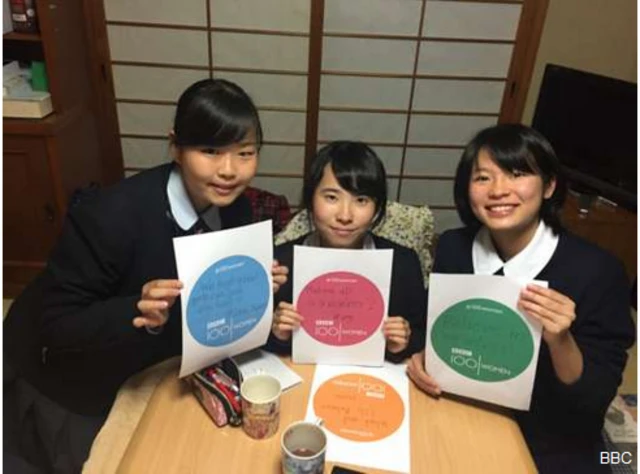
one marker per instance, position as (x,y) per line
(175,435)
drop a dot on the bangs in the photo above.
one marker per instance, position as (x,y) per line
(218,127)
(217,115)
(515,157)
(358,180)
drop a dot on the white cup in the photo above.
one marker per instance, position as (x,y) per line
(260,397)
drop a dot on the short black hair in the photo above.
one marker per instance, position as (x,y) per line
(513,147)
(358,170)
(215,113)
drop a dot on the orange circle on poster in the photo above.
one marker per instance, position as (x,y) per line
(359,407)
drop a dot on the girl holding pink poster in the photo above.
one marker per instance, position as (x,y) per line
(345,194)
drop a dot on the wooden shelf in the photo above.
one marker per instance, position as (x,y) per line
(14,36)
(48,125)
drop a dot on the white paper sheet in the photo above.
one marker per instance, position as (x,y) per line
(478,343)
(258,361)
(343,296)
(365,413)
(227,301)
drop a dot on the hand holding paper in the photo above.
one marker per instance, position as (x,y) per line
(158,296)
(397,332)
(552,309)
(279,275)
(418,373)
(285,320)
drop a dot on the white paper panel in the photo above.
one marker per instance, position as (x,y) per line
(157,45)
(394,17)
(464,59)
(471,20)
(374,92)
(446,129)
(287,15)
(432,192)
(157,11)
(244,50)
(152,83)
(367,127)
(392,189)
(283,126)
(270,89)
(289,187)
(145,119)
(446,219)
(281,159)
(391,158)
(368,55)
(458,96)
(432,161)
(144,153)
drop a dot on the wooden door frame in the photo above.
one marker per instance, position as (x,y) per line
(104,99)
(523,60)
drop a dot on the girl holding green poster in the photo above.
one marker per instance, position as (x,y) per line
(509,191)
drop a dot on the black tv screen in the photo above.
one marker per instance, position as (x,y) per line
(591,122)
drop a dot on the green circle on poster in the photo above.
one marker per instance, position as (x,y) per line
(483,340)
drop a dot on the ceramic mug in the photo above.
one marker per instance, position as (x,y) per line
(303,445)
(260,397)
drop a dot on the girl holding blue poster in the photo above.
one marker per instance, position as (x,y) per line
(509,191)
(105,307)
(345,194)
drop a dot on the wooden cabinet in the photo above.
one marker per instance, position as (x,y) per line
(611,227)
(47,160)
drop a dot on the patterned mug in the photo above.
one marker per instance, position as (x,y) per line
(303,445)
(260,395)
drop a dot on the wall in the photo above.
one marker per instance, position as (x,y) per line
(598,36)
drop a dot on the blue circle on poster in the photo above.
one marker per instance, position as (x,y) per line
(227,301)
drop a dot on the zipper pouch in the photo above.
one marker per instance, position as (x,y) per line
(217,387)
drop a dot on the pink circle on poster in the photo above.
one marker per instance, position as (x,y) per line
(340,308)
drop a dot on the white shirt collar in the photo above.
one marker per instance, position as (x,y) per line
(527,264)
(181,208)
(313,240)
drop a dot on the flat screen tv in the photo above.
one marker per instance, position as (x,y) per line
(591,122)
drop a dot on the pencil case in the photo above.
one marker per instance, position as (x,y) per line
(217,387)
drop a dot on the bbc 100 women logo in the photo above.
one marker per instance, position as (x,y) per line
(483,340)
(228,300)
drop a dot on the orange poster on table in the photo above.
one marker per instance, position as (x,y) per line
(365,413)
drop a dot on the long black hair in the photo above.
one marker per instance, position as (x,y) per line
(215,113)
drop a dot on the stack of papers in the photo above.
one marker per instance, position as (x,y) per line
(261,362)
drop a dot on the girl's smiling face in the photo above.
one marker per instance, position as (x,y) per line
(504,201)
(217,176)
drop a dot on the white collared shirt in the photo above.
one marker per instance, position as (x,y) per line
(527,264)
(181,208)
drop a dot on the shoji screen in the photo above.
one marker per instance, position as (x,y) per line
(414,78)
(159,47)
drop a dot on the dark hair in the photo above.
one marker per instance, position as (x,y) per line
(216,113)
(357,169)
(513,147)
